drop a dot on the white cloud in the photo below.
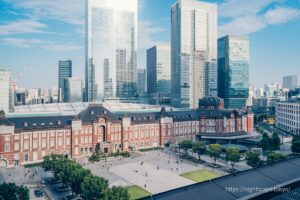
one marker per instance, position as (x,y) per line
(22,26)
(246,17)
(147,31)
(47,45)
(281,15)
(70,11)
(236,8)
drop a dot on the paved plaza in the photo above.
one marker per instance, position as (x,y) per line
(154,171)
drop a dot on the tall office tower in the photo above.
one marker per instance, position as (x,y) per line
(233,71)
(6,91)
(290,82)
(159,72)
(193,51)
(142,77)
(64,71)
(111,49)
(73,90)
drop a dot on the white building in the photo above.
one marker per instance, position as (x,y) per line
(6,91)
(111,46)
(73,90)
(288,116)
(193,51)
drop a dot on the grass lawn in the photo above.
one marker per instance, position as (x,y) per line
(201,175)
(150,149)
(136,192)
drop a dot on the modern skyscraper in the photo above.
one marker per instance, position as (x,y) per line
(233,66)
(290,82)
(6,91)
(64,71)
(142,81)
(193,51)
(73,90)
(159,71)
(111,49)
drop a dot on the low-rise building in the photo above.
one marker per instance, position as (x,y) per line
(25,140)
(288,116)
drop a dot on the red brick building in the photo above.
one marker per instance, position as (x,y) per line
(26,140)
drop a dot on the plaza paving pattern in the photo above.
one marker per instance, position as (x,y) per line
(154,171)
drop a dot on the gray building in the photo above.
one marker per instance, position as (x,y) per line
(193,51)
(73,90)
(290,82)
(233,71)
(111,49)
(142,82)
(6,91)
(64,71)
(159,73)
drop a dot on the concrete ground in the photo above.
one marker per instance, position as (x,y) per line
(158,171)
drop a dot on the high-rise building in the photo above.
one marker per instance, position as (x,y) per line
(193,51)
(159,72)
(290,82)
(142,78)
(111,49)
(6,91)
(73,90)
(233,70)
(64,71)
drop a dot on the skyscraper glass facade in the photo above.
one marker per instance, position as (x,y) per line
(6,91)
(233,67)
(111,46)
(64,71)
(193,51)
(73,90)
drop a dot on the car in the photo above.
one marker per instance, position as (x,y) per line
(39,193)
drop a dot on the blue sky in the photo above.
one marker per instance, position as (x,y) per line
(36,34)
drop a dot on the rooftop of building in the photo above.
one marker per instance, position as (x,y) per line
(230,187)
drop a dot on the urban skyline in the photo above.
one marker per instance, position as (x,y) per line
(154,30)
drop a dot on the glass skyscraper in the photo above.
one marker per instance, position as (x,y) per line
(64,71)
(73,90)
(159,71)
(193,51)
(233,70)
(111,49)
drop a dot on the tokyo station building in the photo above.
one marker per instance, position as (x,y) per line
(25,140)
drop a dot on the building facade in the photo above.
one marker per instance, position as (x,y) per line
(111,49)
(64,71)
(73,90)
(142,82)
(159,73)
(288,116)
(233,70)
(290,82)
(6,91)
(26,140)
(193,52)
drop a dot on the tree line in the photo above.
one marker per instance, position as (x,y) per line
(81,181)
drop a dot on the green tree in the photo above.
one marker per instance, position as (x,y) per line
(199,149)
(185,145)
(296,144)
(118,193)
(266,142)
(253,159)
(94,188)
(233,156)
(10,191)
(214,151)
(275,141)
(95,157)
(274,157)
(76,177)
